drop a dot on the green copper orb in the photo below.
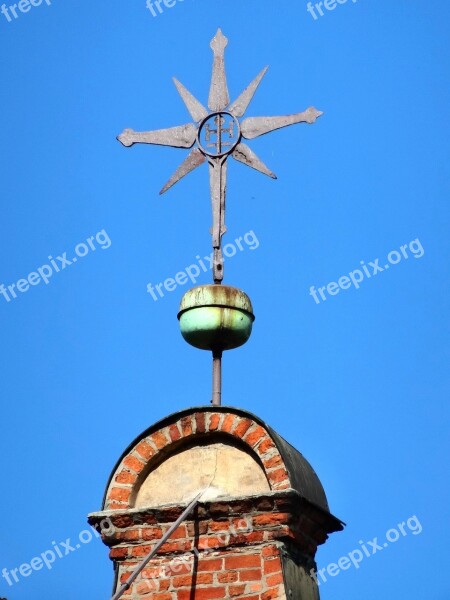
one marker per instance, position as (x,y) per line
(216,317)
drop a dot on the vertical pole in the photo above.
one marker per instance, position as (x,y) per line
(217,378)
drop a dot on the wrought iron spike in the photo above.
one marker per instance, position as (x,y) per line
(195,108)
(245,155)
(194,159)
(218,93)
(182,136)
(253,127)
(240,105)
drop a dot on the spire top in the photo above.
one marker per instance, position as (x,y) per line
(211,318)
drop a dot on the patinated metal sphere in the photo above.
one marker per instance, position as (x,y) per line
(216,317)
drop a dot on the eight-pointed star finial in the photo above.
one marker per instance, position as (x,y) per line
(215,135)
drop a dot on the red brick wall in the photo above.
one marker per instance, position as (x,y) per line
(252,573)
(226,549)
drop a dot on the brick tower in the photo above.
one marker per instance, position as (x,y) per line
(211,503)
(255,531)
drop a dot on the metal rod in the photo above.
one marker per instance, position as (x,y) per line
(217,378)
(135,574)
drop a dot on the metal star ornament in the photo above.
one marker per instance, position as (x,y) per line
(215,135)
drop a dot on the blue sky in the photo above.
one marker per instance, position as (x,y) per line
(357,382)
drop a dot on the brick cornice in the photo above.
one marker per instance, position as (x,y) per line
(220,524)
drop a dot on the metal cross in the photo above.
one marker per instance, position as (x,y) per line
(215,135)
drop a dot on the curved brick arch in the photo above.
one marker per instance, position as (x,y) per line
(148,448)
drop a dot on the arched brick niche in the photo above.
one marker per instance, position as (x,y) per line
(252,536)
(227,451)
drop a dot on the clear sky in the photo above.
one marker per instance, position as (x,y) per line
(358,381)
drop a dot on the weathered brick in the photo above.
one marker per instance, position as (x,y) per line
(274,461)
(209,542)
(265,445)
(279,475)
(125,576)
(242,426)
(271,519)
(241,524)
(150,519)
(254,536)
(159,439)
(272,566)
(180,532)
(164,584)
(179,566)
(146,586)
(243,506)
(227,577)
(118,553)
(219,508)
(145,450)
(270,551)
(254,435)
(274,579)
(195,579)
(250,575)
(114,505)
(228,423)
(120,494)
(181,546)
(151,533)
(174,432)
(125,477)
(182,581)
(140,550)
(131,535)
(282,486)
(270,594)
(203,594)
(197,528)
(200,422)
(133,463)
(264,504)
(219,526)
(152,572)
(243,561)
(212,564)
(186,425)
(122,521)
(214,420)
(204,578)
(236,590)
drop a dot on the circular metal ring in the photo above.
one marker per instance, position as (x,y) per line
(236,137)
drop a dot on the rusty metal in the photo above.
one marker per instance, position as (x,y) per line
(216,317)
(221,139)
(217,378)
